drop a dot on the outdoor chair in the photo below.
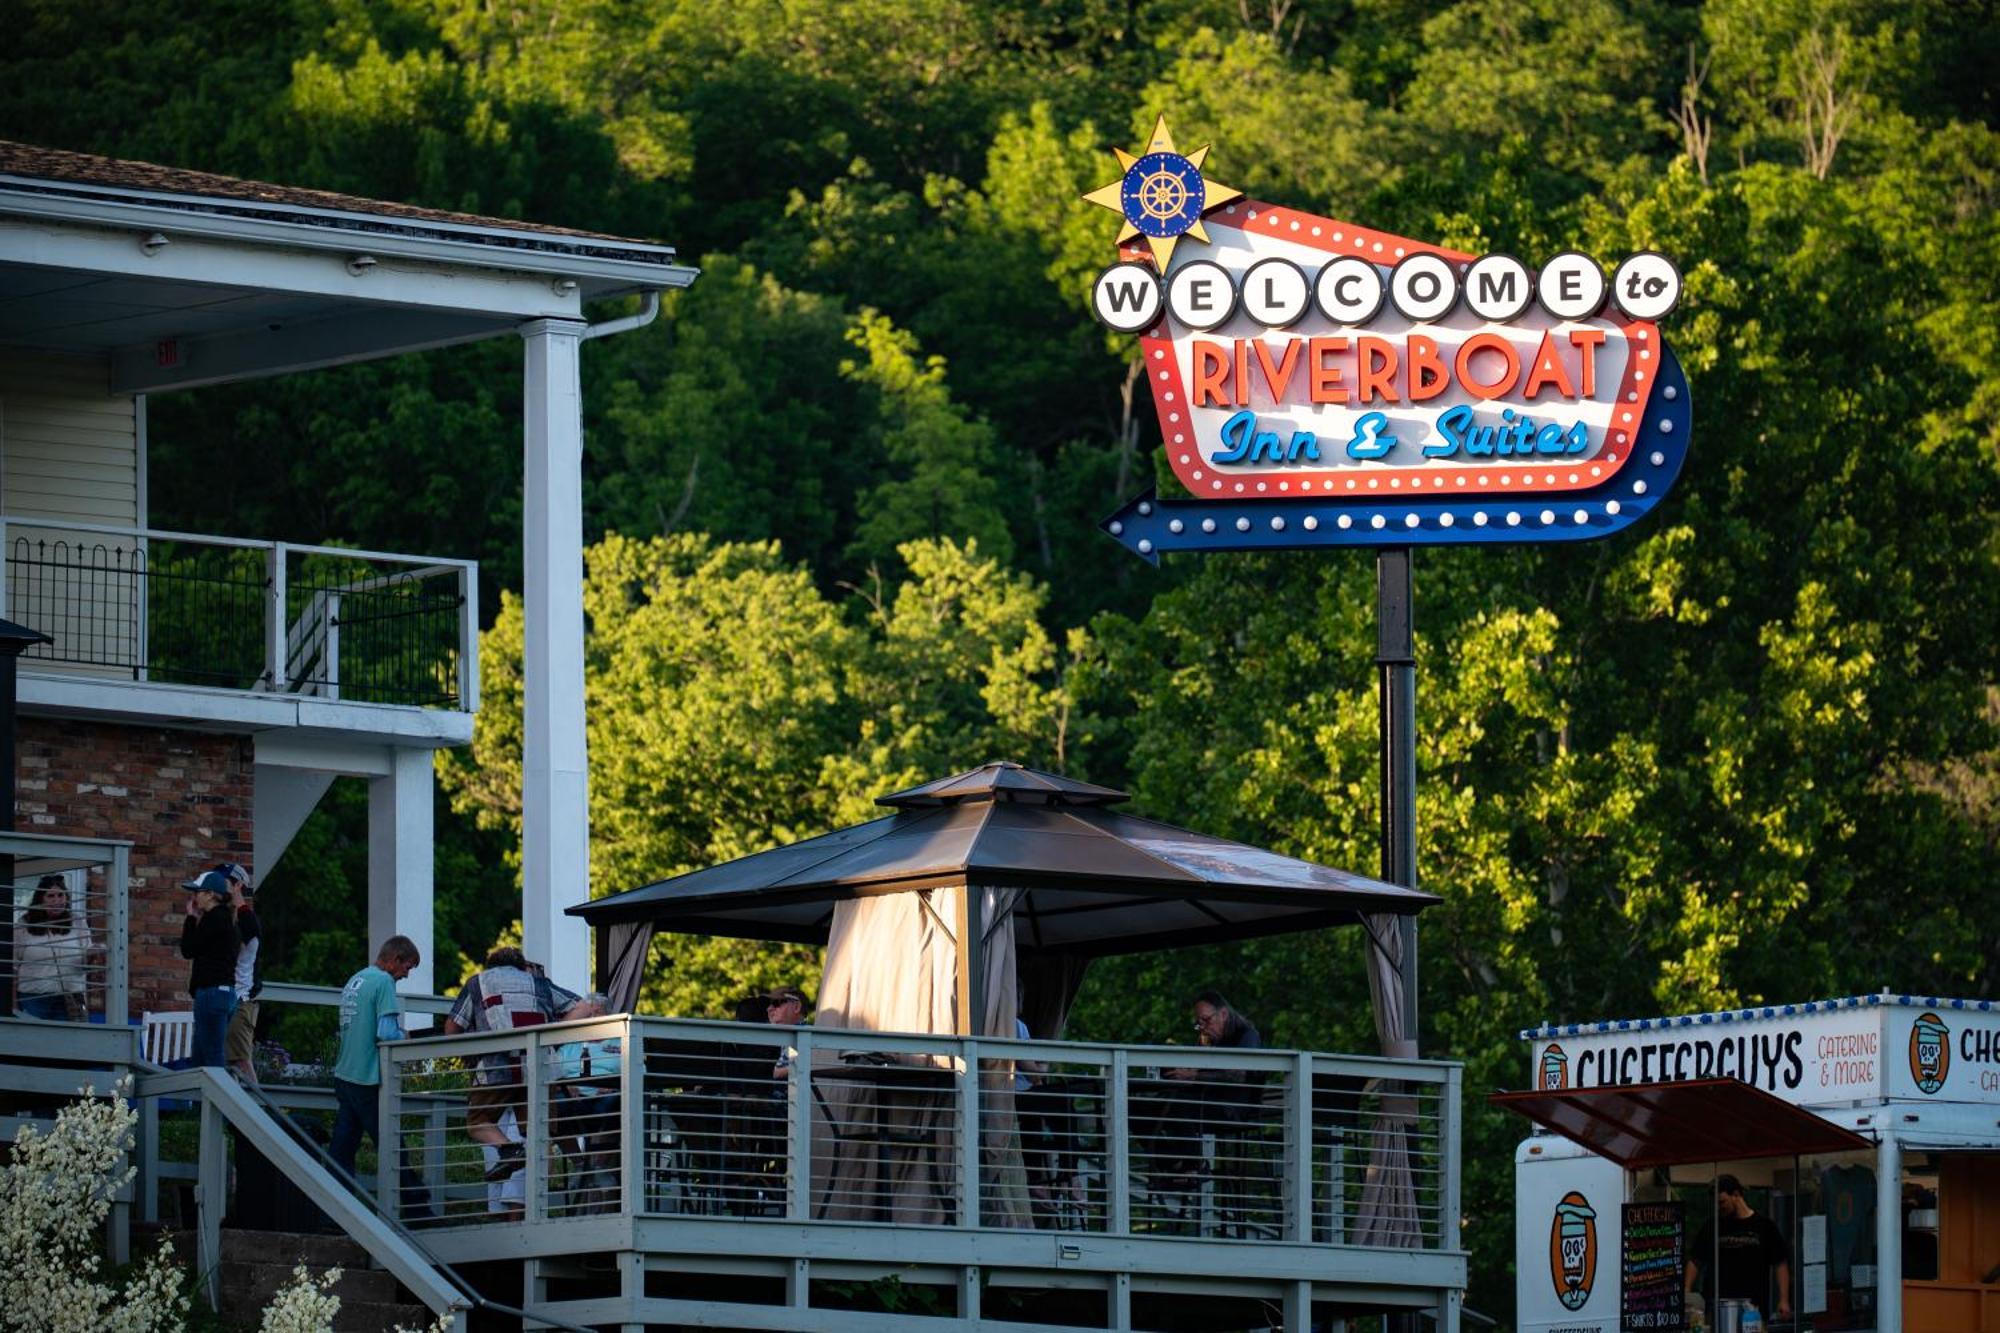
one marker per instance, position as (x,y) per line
(166,1037)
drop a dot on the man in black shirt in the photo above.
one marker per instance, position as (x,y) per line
(1747,1250)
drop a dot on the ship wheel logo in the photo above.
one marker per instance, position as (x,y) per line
(1162,195)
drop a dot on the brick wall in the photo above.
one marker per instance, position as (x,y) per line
(184,800)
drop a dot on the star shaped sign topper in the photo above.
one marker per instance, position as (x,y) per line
(1162,194)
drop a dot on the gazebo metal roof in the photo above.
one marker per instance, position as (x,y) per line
(1097,881)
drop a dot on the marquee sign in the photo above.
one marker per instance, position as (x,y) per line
(1825,1053)
(1322,383)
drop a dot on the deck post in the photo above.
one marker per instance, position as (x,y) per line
(1117,1153)
(1449,1205)
(275,612)
(537,1130)
(468,637)
(211,1200)
(1120,1301)
(389,1149)
(798,1284)
(968,1295)
(1299,1154)
(970,1134)
(118,964)
(632,1286)
(1298,1307)
(798,1126)
(534,1290)
(149,1159)
(632,1126)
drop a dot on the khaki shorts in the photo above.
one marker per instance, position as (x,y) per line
(238,1046)
(485,1103)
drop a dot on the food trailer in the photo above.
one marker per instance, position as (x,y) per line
(1866,1130)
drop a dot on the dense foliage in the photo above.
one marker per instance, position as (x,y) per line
(846,488)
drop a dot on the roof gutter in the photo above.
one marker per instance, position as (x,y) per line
(649,310)
(554,256)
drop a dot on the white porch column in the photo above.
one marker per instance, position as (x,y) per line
(555,812)
(401,860)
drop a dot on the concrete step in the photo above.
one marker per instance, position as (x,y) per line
(252,1286)
(379,1317)
(256,1265)
(313,1249)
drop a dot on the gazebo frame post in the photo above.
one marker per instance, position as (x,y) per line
(971,962)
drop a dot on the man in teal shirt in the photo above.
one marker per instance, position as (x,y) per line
(370,1012)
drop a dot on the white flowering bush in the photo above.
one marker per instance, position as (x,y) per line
(303,1305)
(54,1197)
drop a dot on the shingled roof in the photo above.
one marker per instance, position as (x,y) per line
(28,164)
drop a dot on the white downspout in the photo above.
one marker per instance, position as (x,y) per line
(649,310)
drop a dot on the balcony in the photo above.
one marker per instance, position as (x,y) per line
(789,1159)
(148,623)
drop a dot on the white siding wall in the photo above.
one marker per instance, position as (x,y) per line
(69,447)
(69,452)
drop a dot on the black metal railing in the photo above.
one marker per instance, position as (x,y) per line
(268,616)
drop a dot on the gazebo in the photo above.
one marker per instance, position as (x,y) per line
(930,912)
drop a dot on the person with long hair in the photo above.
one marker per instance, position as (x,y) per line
(52,956)
(210,943)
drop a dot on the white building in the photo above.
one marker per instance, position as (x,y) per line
(204,685)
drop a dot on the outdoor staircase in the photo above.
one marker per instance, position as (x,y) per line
(255,1264)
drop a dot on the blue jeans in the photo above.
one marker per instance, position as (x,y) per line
(50,1007)
(213,1006)
(360,1112)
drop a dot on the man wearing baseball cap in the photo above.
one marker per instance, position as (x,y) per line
(210,942)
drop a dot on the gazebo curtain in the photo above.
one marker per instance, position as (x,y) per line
(892,966)
(626,945)
(1388,1211)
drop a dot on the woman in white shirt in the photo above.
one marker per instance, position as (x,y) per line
(52,956)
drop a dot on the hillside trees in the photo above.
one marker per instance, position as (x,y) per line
(1745,751)
(734,707)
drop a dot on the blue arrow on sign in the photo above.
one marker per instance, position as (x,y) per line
(1150,527)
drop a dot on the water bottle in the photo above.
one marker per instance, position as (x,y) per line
(1753,1322)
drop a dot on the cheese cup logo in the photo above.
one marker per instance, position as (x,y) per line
(1573,1250)
(1930,1053)
(1555,1069)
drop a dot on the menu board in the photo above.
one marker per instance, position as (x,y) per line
(1654,1268)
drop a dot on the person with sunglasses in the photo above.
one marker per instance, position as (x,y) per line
(1217,1024)
(1171,1125)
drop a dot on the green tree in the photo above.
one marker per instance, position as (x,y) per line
(732,707)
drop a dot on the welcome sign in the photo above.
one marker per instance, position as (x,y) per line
(1319,382)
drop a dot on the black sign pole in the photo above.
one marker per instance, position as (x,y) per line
(1396,659)
(1396,663)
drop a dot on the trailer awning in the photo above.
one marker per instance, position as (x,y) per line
(1672,1124)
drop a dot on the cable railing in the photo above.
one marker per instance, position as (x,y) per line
(63,939)
(224,1101)
(177,608)
(643,1117)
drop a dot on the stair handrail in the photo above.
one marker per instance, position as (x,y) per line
(346,1189)
(338,1172)
(398,1253)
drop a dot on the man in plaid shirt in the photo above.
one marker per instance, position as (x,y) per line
(511,993)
